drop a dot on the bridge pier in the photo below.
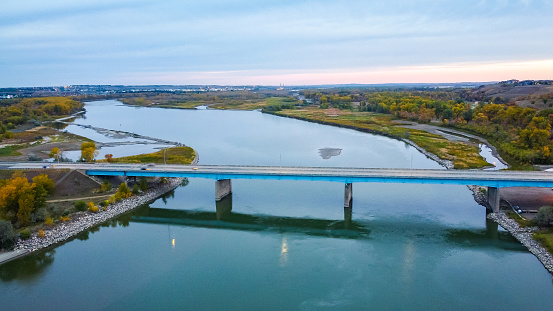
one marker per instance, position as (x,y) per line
(494,199)
(348,196)
(223,187)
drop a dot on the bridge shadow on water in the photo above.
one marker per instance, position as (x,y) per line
(224,218)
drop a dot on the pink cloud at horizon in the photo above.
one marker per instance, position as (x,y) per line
(462,72)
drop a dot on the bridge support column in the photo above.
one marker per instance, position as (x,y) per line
(223,188)
(494,199)
(348,196)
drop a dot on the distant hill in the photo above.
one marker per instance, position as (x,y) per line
(515,89)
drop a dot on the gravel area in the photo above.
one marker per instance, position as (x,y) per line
(84,220)
(524,235)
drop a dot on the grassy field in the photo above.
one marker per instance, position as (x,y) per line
(463,156)
(223,103)
(11,151)
(175,155)
(545,237)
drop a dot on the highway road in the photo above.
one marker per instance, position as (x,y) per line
(336,174)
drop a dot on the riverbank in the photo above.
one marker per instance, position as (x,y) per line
(450,154)
(525,236)
(82,221)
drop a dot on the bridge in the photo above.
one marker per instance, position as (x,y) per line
(223,174)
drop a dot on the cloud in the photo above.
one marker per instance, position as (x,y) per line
(214,35)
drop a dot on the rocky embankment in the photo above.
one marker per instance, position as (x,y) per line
(84,220)
(525,236)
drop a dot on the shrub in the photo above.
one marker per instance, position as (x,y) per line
(135,189)
(91,207)
(80,205)
(64,218)
(49,221)
(106,186)
(25,234)
(111,199)
(40,233)
(544,218)
(7,235)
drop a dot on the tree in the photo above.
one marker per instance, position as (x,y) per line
(88,152)
(55,153)
(109,157)
(143,183)
(124,191)
(544,218)
(7,235)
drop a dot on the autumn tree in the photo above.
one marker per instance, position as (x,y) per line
(19,198)
(88,152)
(55,153)
(109,157)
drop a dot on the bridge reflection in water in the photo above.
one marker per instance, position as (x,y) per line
(224,218)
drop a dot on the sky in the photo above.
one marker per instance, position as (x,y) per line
(267,42)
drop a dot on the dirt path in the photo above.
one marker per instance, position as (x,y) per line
(77,199)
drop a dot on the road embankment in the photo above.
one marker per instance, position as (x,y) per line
(82,221)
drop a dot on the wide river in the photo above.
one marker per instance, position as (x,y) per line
(281,245)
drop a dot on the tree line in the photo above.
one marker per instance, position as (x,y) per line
(20,110)
(523,134)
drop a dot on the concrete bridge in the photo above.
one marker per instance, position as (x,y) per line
(223,174)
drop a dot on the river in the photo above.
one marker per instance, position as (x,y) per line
(281,244)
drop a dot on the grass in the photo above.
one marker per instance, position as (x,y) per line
(545,237)
(522,222)
(175,155)
(11,151)
(225,103)
(463,156)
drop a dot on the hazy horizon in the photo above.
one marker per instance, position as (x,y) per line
(253,42)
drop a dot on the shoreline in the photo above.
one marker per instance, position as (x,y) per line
(82,221)
(522,234)
(525,237)
(445,163)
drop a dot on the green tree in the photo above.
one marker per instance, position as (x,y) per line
(544,218)
(7,235)
(143,183)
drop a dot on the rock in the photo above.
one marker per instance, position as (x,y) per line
(84,220)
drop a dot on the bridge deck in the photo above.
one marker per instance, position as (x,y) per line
(343,174)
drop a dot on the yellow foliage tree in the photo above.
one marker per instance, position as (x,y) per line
(88,152)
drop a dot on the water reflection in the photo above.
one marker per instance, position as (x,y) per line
(224,218)
(283,251)
(27,268)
